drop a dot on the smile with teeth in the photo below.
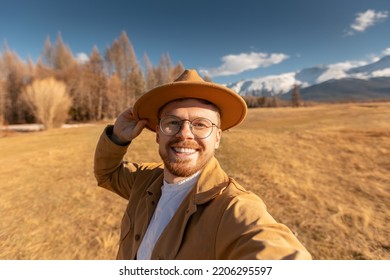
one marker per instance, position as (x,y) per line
(181,150)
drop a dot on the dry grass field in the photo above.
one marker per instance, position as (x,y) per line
(324,171)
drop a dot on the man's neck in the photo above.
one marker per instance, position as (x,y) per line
(172,179)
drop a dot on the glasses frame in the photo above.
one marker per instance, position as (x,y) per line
(182,121)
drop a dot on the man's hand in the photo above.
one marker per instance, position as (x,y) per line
(126,128)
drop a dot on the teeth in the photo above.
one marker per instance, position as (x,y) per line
(184,150)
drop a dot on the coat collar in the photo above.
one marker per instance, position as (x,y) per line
(212,181)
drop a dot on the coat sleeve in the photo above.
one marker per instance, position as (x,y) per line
(248,231)
(111,172)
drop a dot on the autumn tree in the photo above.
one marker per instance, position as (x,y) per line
(177,71)
(164,67)
(137,82)
(49,101)
(58,56)
(164,72)
(100,88)
(14,74)
(58,61)
(150,74)
(2,95)
(98,84)
(122,61)
(89,94)
(296,97)
(115,95)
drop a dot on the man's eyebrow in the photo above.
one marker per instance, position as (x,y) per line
(193,117)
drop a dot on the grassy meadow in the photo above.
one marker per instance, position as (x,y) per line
(324,171)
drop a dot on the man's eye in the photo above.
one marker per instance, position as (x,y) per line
(174,123)
(199,124)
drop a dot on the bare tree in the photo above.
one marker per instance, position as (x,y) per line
(49,101)
(14,76)
(296,97)
(90,88)
(122,61)
(2,95)
(177,71)
(58,56)
(163,71)
(99,83)
(137,82)
(150,74)
(115,94)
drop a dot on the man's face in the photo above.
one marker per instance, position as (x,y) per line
(183,153)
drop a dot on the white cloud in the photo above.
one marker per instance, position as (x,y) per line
(381,73)
(348,64)
(366,19)
(386,52)
(82,58)
(376,57)
(234,64)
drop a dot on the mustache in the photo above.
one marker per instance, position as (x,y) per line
(184,144)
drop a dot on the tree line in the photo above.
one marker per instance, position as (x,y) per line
(59,88)
(255,101)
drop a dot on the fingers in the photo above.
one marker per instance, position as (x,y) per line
(138,128)
(128,114)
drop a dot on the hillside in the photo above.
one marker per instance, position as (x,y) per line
(346,90)
(324,171)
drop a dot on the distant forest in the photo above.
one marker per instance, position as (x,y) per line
(97,89)
(58,88)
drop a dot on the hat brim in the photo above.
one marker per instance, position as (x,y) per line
(232,107)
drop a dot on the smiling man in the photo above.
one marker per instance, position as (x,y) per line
(187,207)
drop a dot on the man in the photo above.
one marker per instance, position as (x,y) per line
(187,207)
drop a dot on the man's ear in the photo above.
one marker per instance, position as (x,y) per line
(218,138)
(157,135)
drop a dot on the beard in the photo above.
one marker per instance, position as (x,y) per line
(184,167)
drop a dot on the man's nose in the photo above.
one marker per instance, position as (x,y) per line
(185,131)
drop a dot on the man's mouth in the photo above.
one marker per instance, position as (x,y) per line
(182,150)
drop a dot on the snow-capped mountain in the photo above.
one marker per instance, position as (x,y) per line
(315,76)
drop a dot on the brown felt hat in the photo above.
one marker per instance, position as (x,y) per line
(232,106)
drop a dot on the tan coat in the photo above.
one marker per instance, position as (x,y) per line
(219,219)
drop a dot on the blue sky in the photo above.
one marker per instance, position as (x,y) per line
(229,40)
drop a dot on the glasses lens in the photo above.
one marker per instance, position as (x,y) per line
(200,128)
(170,125)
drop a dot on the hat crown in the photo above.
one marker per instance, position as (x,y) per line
(189,75)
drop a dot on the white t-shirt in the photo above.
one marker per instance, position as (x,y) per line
(172,196)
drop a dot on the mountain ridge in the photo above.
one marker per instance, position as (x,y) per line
(325,82)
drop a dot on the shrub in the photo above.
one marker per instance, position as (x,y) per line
(49,101)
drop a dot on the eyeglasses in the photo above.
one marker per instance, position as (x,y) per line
(200,127)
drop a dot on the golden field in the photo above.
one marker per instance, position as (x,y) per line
(322,170)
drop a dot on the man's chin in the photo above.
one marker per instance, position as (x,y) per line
(181,169)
